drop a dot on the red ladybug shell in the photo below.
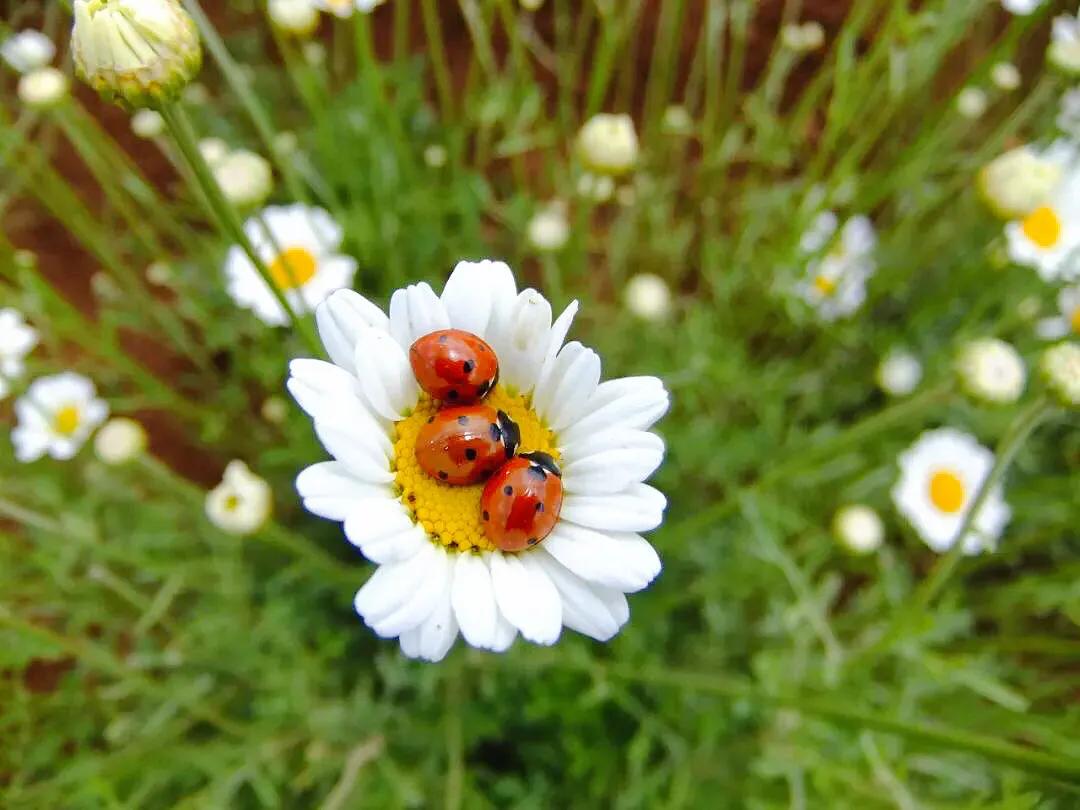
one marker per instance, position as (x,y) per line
(454,365)
(464,445)
(521,502)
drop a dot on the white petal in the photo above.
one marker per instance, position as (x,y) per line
(322,388)
(556,336)
(588,609)
(519,336)
(359,448)
(1052,328)
(473,601)
(637,509)
(472,291)
(620,560)
(505,633)
(431,574)
(578,382)
(439,631)
(383,531)
(390,587)
(410,641)
(330,491)
(628,402)
(340,317)
(526,597)
(386,378)
(416,311)
(612,461)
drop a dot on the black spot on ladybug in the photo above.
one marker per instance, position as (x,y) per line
(430,419)
(442,338)
(481,347)
(508,490)
(463,420)
(412,497)
(540,506)
(533,541)
(468,366)
(486,515)
(443,475)
(452,394)
(470,454)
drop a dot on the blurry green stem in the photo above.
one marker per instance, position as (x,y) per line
(224,215)
(433,29)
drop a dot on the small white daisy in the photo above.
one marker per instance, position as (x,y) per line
(858,528)
(899,373)
(548,229)
(1060,369)
(1064,50)
(300,256)
(43,89)
(56,416)
(839,265)
(648,296)
(991,370)
(608,144)
(299,18)
(245,178)
(27,50)
(17,339)
(1018,181)
(346,8)
(1021,7)
(438,573)
(147,123)
(940,475)
(1048,237)
(241,504)
(120,441)
(1068,321)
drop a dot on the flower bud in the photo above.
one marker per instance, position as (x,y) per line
(972,102)
(899,373)
(858,528)
(43,88)
(27,50)
(1016,183)
(548,230)
(245,178)
(136,53)
(147,123)
(648,297)
(1060,370)
(296,17)
(608,144)
(120,440)
(1064,50)
(991,370)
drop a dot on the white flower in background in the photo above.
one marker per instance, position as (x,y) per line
(135,52)
(213,150)
(1068,322)
(839,264)
(345,8)
(245,178)
(438,572)
(940,474)
(27,50)
(596,187)
(548,230)
(803,37)
(858,528)
(1017,182)
(899,373)
(1005,76)
(677,120)
(17,339)
(275,410)
(1021,7)
(1068,117)
(160,273)
(56,416)
(648,296)
(43,88)
(286,143)
(607,144)
(147,123)
(314,52)
(119,441)
(242,503)
(1064,50)
(1060,369)
(435,155)
(971,102)
(301,258)
(1048,237)
(531,5)
(991,370)
(299,18)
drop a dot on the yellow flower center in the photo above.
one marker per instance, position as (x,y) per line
(1074,320)
(294,267)
(66,420)
(451,514)
(947,491)
(232,503)
(1042,226)
(824,285)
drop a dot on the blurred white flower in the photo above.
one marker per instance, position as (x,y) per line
(596,187)
(971,102)
(940,475)
(274,410)
(677,120)
(607,144)
(1047,238)
(1064,50)
(838,266)
(314,52)
(27,50)
(56,416)
(345,8)
(242,503)
(858,528)
(803,37)
(301,258)
(119,441)
(246,179)
(17,339)
(531,5)
(991,370)
(1015,183)
(213,150)
(1068,117)
(435,155)
(899,373)
(1005,76)
(299,18)
(439,570)
(1021,7)
(43,88)
(548,229)
(136,52)
(286,143)
(648,296)
(1068,321)
(1060,369)
(159,273)
(147,123)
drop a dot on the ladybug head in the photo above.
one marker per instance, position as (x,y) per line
(543,462)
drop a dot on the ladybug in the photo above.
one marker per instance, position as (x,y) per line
(454,365)
(521,502)
(464,445)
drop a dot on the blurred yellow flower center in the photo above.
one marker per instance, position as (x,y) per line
(947,491)
(232,503)
(1042,226)
(1074,320)
(294,267)
(66,420)
(824,285)
(451,514)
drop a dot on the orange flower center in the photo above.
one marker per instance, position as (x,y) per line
(294,267)
(947,491)
(1042,226)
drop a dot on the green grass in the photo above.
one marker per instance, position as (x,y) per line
(765,667)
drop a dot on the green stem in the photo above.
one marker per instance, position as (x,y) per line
(433,30)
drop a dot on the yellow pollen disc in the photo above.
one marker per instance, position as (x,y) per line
(1042,226)
(66,420)
(824,285)
(947,491)
(232,503)
(451,514)
(1074,320)
(294,267)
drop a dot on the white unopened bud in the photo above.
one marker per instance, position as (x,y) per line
(1016,183)
(43,88)
(677,120)
(899,373)
(991,370)
(274,410)
(648,297)
(1060,370)
(608,144)
(147,123)
(596,187)
(119,441)
(858,528)
(435,155)
(246,179)
(1005,76)
(548,229)
(213,150)
(971,102)
(27,50)
(296,17)
(804,37)
(1064,50)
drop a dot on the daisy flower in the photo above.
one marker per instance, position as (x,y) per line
(56,416)
(438,573)
(27,50)
(991,370)
(1048,237)
(345,8)
(1060,369)
(300,255)
(608,144)
(17,339)
(241,504)
(939,477)
(1068,322)
(835,284)
(1064,50)
(1021,7)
